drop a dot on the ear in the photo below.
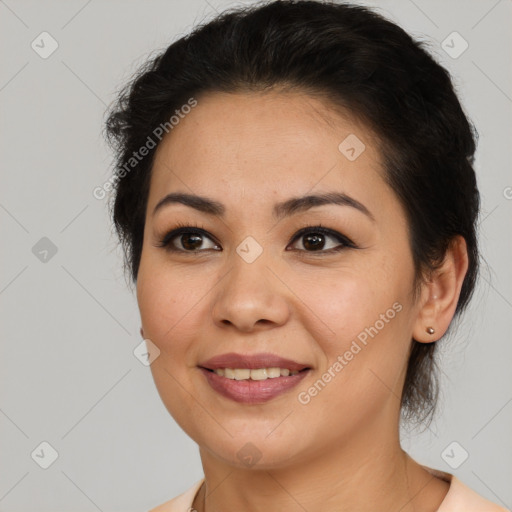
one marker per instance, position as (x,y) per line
(440,294)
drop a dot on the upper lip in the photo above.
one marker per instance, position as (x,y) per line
(251,361)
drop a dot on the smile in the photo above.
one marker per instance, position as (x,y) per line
(249,390)
(254,374)
(252,378)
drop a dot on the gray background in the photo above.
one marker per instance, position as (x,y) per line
(69,324)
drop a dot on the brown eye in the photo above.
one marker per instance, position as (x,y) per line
(316,239)
(188,239)
(313,242)
(322,240)
(191,241)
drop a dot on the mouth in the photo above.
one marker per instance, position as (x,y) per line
(255,378)
(255,373)
(260,361)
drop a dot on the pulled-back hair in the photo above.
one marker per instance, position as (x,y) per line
(360,63)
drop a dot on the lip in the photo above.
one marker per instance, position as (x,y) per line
(252,391)
(252,361)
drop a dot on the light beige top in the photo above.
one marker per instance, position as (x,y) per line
(459,498)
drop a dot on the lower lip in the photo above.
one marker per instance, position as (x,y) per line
(252,391)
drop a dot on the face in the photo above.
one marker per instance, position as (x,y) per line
(325,283)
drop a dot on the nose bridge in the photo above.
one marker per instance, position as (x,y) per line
(250,294)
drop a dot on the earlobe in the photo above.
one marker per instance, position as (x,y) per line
(441,294)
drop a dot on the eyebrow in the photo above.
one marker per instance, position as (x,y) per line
(280,210)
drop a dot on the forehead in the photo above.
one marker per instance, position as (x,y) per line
(266,145)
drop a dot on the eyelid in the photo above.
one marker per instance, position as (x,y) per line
(165,241)
(318,228)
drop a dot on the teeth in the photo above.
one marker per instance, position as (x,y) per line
(259,374)
(255,374)
(242,374)
(272,373)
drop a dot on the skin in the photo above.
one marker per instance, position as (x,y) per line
(341,451)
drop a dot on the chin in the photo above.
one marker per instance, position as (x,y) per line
(253,452)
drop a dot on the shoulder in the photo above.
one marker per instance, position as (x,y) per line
(461,498)
(182,502)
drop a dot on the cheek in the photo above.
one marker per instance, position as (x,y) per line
(172,314)
(360,321)
(172,302)
(339,304)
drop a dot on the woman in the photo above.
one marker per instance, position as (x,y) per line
(297,204)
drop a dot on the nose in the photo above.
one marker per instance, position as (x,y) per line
(250,297)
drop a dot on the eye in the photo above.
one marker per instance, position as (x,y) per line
(194,239)
(188,239)
(319,239)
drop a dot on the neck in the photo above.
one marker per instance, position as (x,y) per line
(361,476)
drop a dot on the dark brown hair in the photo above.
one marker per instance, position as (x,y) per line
(358,61)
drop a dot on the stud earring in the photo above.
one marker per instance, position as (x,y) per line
(430,330)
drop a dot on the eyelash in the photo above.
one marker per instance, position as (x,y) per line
(181,229)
